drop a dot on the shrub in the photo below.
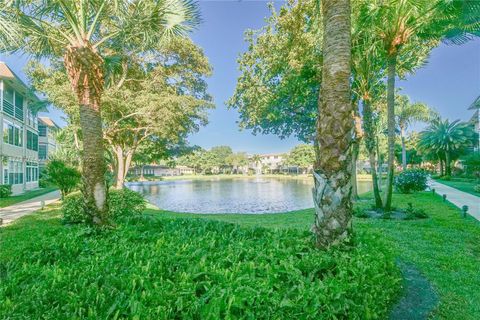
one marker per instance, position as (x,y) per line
(477,188)
(413,213)
(5,190)
(64,177)
(411,181)
(121,203)
(160,268)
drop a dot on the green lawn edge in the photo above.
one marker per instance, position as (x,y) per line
(462,185)
(6,202)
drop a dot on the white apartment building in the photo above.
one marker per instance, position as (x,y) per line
(19,129)
(47,144)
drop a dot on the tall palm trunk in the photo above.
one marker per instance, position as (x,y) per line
(392,64)
(441,166)
(355,152)
(85,71)
(404,149)
(332,190)
(448,170)
(371,144)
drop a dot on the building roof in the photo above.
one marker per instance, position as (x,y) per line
(15,81)
(48,122)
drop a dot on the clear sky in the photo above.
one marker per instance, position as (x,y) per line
(449,82)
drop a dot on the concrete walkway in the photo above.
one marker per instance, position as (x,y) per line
(458,198)
(12,213)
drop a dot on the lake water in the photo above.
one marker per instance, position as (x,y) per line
(231,195)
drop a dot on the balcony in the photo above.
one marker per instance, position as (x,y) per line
(8,108)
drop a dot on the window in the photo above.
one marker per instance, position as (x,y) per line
(18,106)
(31,172)
(15,172)
(31,118)
(32,141)
(12,134)
(42,152)
(8,101)
(5,176)
(42,130)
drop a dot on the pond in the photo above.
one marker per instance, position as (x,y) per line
(231,195)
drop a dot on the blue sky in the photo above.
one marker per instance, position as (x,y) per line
(449,82)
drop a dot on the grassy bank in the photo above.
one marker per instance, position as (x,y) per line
(445,247)
(5,202)
(465,185)
(168,264)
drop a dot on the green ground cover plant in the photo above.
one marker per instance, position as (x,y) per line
(121,203)
(444,247)
(156,267)
(165,264)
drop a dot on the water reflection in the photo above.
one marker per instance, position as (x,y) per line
(234,195)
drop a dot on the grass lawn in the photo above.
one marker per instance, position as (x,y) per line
(461,184)
(167,264)
(5,202)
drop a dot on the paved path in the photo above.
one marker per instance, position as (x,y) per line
(458,198)
(12,213)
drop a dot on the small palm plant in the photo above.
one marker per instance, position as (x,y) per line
(86,33)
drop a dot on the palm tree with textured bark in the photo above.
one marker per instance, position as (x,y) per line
(406,27)
(333,187)
(407,114)
(86,33)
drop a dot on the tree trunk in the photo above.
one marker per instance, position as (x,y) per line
(379,165)
(448,169)
(85,71)
(120,168)
(404,149)
(371,144)
(392,63)
(356,148)
(441,166)
(332,190)
(355,152)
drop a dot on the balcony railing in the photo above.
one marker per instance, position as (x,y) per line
(8,108)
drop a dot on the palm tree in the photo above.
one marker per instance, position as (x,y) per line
(333,187)
(256,160)
(86,33)
(407,28)
(8,29)
(447,140)
(408,113)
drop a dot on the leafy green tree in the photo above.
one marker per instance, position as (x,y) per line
(408,113)
(217,158)
(302,156)
(238,161)
(448,140)
(280,74)
(66,178)
(162,96)
(86,36)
